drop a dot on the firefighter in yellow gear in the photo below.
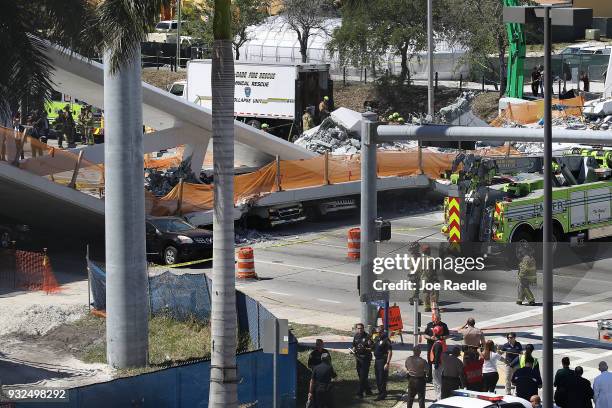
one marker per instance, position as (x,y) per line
(86,119)
(429,275)
(415,276)
(307,121)
(527,276)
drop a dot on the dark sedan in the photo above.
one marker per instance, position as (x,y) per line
(175,240)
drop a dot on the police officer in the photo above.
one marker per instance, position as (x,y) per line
(320,383)
(314,359)
(527,277)
(362,349)
(429,275)
(415,276)
(382,357)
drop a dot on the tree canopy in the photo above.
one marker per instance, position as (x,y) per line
(370,30)
(245,13)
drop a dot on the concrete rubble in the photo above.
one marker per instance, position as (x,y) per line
(462,104)
(339,134)
(161,182)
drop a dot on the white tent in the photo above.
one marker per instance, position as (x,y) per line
(275,42)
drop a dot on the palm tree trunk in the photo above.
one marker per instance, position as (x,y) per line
(127,331)
(223,376)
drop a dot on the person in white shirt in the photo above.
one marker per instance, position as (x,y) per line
(602,387)
(491,357)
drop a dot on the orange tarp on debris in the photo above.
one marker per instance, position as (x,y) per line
(532,112)
(311,173)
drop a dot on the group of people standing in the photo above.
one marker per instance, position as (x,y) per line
(572,390)
(38,127)
(366,347)
(67,127)
(443,365)
(537,79)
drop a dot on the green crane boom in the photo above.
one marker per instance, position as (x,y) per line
(516,57)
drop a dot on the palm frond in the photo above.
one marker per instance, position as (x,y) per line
(71,24)
(25,71)
(124,24)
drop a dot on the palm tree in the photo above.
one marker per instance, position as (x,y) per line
(25,71)
(125,25)
(223,377)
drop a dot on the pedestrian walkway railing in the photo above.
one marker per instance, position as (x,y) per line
(58,165)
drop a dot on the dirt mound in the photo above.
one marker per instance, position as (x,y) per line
(386,97)
(162,78)
(73,338)
(37,319)
(485,106)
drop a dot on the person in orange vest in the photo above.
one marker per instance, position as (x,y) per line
(435,357)
(436,320)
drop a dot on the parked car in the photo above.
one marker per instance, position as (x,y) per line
(474,399)
(174,240)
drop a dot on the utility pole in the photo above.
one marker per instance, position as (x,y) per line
(547,302)
(368,214)
(127,324)
(178,34)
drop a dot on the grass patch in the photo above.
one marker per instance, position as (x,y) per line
(307,330)
(170,341)
(346,385)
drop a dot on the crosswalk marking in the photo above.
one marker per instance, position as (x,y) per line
(504,320)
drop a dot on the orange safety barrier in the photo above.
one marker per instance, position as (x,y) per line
(395,318)
(354,243)
(246,264)
(34,272)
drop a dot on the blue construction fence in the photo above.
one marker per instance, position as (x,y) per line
(183,294)
(187,385)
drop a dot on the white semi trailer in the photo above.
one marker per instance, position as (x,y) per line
(275,94)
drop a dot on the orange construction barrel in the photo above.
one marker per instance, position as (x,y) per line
(246,263)
(354,243)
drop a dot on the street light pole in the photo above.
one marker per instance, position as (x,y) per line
(430,68)
(430,76)
(547,302)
